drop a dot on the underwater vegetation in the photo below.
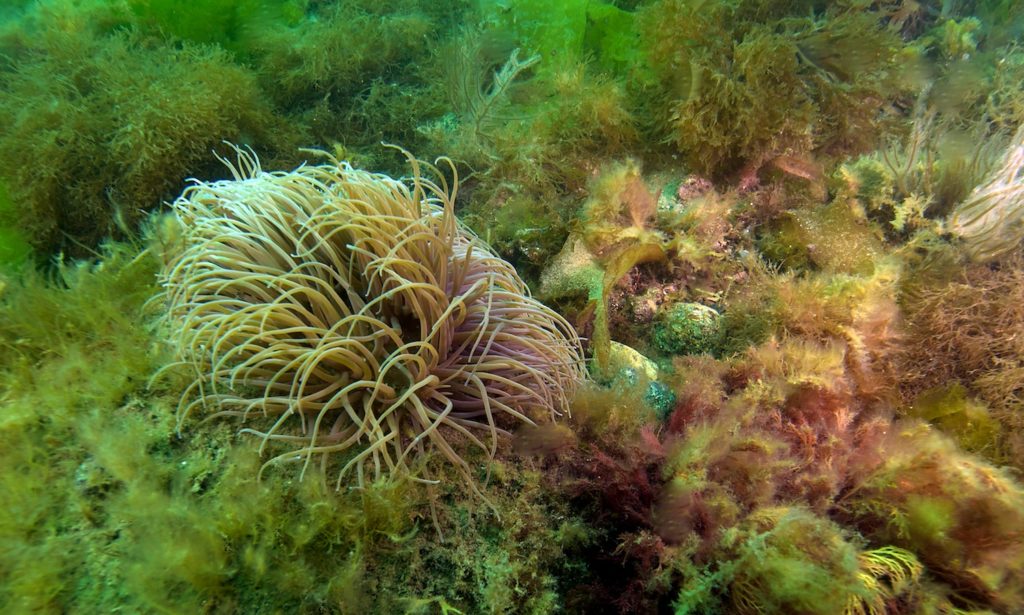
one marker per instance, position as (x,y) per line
(104,505)
(714,308)
(101,123)
(962,349)
(14,247)
(741,83)
(110,106)
(777,485)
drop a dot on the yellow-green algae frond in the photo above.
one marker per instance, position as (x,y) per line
(349,315)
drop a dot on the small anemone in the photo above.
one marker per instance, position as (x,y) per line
(349,316)
(991,219)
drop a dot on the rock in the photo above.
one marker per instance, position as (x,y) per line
(687,328)
(622,358)
(629,368)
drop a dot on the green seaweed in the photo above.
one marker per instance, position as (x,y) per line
(14,247)
(950,510)
(232,24)
(614,239)
(965,420)
(830,237)
(554,30)
(788,560)
(740,83)
(102,126)
(109,510)
(613,39)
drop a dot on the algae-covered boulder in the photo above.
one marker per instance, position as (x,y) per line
(629,368)
(687,328)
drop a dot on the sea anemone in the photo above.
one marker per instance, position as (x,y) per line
(349,316)
(991,219)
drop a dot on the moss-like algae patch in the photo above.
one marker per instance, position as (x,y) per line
(108,508)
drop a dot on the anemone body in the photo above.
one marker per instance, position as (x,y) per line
(348,316)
